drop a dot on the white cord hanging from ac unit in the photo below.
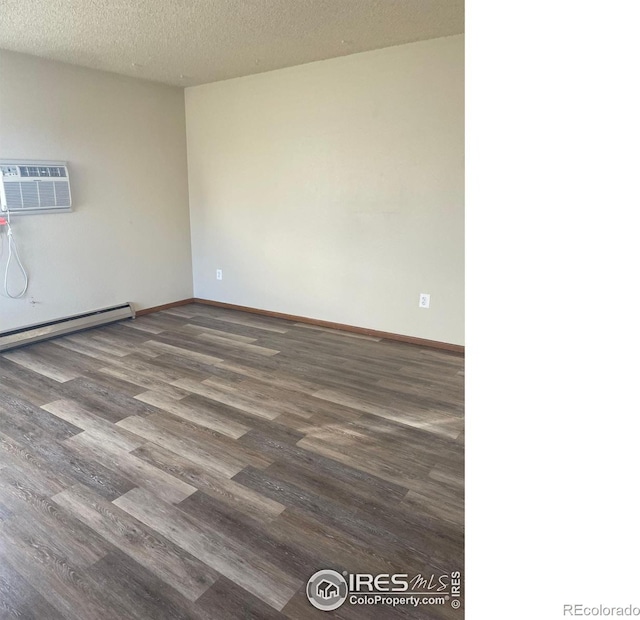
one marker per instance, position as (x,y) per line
(13,252)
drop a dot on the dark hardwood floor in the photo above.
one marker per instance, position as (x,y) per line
(204,463)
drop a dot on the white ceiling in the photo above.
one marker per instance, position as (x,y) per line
(188,42)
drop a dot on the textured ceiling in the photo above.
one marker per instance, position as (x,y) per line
(188,42)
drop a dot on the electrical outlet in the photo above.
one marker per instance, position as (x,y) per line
(425,300)
(218,274)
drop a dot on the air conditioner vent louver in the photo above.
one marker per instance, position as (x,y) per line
(29,187)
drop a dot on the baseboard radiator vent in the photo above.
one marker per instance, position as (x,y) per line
(27,335)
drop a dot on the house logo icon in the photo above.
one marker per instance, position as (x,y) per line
(327,590)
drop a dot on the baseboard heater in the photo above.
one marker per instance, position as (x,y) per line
(33,333)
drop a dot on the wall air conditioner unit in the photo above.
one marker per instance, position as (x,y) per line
(30,187)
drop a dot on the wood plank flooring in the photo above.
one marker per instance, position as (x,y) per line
(203,463)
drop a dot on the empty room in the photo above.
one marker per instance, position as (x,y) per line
(232,309)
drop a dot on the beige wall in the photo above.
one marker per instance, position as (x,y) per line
(128,236)
(334,190)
